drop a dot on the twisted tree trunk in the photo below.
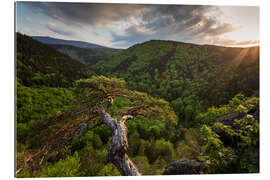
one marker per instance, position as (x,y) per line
(119,144)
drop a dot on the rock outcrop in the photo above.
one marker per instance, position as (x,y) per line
(229,121)
(184,166)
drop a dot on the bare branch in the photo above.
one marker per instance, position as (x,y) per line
(108,120)
(125,118)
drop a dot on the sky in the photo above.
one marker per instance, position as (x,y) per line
(123,25)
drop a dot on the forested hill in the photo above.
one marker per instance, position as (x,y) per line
(80,44)
(173,70)
(88,56)
(40,64)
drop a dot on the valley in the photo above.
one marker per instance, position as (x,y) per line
(176,100)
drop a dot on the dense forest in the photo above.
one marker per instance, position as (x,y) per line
(87,56)
(41,65)
(156,108)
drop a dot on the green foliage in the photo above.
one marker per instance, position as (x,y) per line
(165,150)
(85,55)
(143,165)
(220,158)
(246,163)
(92,160)
(186,109)
(215,155)
(90,137)
(41,65)
(68,167)
(248,131)
(237,104)
(169,69)
(97,88)
(24,174)
(35,104)
(158,166)
(109,170)
(190,77)
(190,146)
(145,107)
(160,149)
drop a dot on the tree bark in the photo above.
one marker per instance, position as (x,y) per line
(119,144)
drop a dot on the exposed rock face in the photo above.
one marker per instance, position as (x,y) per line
(229,120)
(184,166)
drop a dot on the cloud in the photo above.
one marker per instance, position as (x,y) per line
(128,24)
(228,42)
(249,42)
(175,22)
(212,28)
(193,19)
(81,14)
(132,35)
(59,30)
(176,18)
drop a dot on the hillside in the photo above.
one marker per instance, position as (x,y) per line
(72,122)
(191,77)
(80,44)
(88,56)
(40,64)
(171,69)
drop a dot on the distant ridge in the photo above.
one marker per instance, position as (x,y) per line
(80,44)
(40,64)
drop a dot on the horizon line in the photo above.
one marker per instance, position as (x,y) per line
(105,46)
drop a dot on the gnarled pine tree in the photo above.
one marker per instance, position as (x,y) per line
(95,97)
